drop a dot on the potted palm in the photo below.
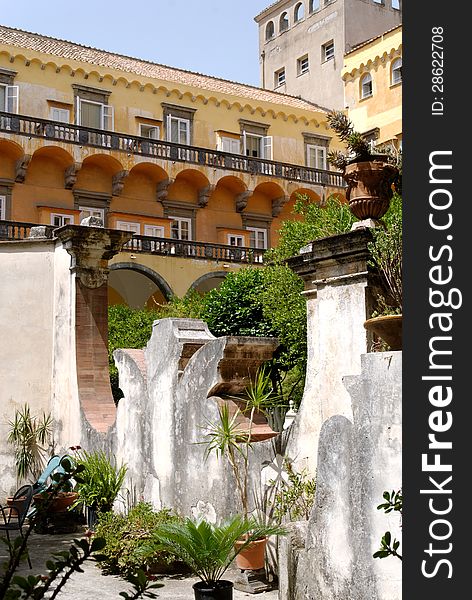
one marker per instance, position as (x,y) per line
(369,175)
(208,550)
(229,439)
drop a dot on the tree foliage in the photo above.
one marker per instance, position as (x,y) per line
(316,221)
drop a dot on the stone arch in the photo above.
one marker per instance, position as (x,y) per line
(138,285)
(48,166)
(97,173)
(142,181)
(204,283)
(10,153)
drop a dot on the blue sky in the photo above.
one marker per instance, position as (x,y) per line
(215,37)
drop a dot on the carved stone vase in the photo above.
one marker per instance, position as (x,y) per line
(388,328)
(369,188)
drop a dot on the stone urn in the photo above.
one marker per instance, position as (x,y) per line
(388,328)
(369,188)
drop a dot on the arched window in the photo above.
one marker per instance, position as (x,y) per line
(299,12)
(314,5)
(396,71)
(366,86)
(283,23)
(270,30)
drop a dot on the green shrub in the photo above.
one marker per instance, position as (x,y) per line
(294,496)
(99,481)
(127,539)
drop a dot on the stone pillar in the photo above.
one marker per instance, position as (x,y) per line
(90,249)
(339,290)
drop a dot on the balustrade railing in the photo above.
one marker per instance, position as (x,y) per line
(196,250)
(14,230)
(160,149)
(17,230)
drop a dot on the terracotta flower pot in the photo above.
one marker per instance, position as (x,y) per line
(369,188)
(252,557)
(60,503)
(388,328)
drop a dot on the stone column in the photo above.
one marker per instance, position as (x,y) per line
(339,290)
(90,249)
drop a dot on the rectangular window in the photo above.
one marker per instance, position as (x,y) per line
(303,65)
(95,115)
(327,51)
(257,238)
(230,145)
(178,130)
(257,146)
(9,98)
(128,226)
(3,207)
(379,1)
(316,156)
(59,114)
(59,220)
(279,77)
(154,231)
(396,4)
(235,240)
(89,211)
(152,132)
(181,228)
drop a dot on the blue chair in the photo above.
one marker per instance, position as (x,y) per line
(13,516)
(42,483)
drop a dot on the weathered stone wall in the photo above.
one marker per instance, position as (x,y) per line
(172,390)
(26,303)
(358,459)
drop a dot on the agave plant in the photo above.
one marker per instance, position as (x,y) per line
(207,549)
(30,435)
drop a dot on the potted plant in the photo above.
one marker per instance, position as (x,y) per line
(386,253)
(98,483)
(30,435)
(369,175)
(209,549)
(227,438)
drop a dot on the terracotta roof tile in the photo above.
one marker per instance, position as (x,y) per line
(71,51)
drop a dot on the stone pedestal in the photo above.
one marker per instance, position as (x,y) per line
(252,582)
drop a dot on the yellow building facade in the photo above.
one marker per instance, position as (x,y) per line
(373,88)
(200,169)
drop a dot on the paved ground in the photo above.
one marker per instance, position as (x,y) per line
(93,584)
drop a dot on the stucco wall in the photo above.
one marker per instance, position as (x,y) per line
(358,459)
(26,345)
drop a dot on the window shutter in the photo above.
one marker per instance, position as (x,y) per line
(267,147)
(12,98)
(78,112)
(108,117)
(169,128)
(244,143)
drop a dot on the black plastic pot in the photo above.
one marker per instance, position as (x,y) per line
(221,590)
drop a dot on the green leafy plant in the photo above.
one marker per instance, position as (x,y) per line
(386,251)
(30,435)
(126,539)
(61,565)
(389,547)
(209,549)
(100,480)
(228,439)
(295,496)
